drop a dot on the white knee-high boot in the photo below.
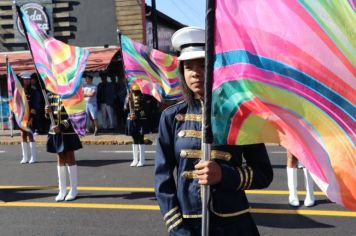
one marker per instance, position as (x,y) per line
(134,155)
(33,152)
(73,178)
(292,186)
(62,183)
(309,188)
(25,158)
(142,156)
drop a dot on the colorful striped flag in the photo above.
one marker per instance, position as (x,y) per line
(286,74)
(155,72)
(61,67)
(17,100)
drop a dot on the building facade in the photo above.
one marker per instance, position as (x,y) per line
(83,23)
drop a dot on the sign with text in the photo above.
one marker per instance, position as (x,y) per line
(37,12)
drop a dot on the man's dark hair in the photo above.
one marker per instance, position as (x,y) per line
(103,74)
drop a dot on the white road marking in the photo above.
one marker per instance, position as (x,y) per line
(2,151)
(279,152)
(109,151)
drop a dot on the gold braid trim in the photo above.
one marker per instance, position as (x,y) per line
(175,224)
(251,177)
(170,212)
(241,178)
(189,175)
(247,178)
(173,218)
(231,214)
(188,117)
(215,154)
(189,134)
(192,216)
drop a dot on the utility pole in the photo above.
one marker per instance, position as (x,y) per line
(154,24)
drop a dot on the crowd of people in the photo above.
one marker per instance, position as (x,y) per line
(105,104)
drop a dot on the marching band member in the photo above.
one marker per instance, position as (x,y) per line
(231,171)
(63,140)
(136,124)
(33,101)
(292,179)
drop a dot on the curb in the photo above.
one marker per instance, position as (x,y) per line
(84,142)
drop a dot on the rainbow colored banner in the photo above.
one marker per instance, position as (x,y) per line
(61,67)
(17,100)
(155,72)
(286,74)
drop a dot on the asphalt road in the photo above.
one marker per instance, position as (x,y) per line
(115,199)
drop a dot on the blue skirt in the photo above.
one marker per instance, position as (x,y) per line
(58,143)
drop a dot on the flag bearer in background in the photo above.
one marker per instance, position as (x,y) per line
(309,200)
(231,171)
(136,124)
(63,140)
(29,152)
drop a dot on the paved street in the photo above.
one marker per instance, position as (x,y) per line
(115,199)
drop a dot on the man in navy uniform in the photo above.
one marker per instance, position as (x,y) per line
(231,171)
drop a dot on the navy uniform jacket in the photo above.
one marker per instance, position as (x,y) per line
(60,115)
(137,127)
(138,107)
(179,147)
(33,100)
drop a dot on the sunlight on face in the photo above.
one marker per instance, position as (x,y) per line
(194,75)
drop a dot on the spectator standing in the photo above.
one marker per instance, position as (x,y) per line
(120,112)
(105,97)
(91,102)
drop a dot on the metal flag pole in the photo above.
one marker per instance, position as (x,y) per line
(128,94)
(1,110)
(154,24)
(10,113)
(19,12)
(207,131)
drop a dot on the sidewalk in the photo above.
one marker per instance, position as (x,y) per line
(100,139)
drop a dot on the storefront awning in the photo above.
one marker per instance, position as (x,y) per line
(99,59)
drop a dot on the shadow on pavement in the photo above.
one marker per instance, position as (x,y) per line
(279,166)
(14,195)
(129,196)
(97,163)
(42,162)
(286,221)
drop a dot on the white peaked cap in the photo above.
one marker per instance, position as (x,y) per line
(25,75)
(190,41)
